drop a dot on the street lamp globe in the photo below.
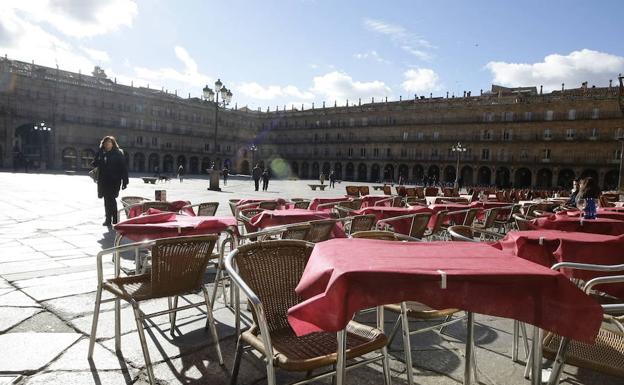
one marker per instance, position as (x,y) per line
(208,94)
(224,92)
(218,85)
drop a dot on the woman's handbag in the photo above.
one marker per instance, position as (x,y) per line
(94,174)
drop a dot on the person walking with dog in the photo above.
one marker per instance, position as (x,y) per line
(256,174)
(111,175)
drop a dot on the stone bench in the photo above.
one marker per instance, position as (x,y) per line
(149,179)
(314,186)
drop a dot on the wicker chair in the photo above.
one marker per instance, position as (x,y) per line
(523,222)
(299,231)
(233,203)
(471,214)
(353,191)
(420,192)
(364,190)
(488,222)
(606,354)
(471,234)
(361,223)
(438,231)
(320,230)
(376,234)
(206,209)
(431,191)
(506,224)
(410,191)
(146,205)
(268,272)
(178,267)
(268,205)
(387,190)
(302,204)
(418,227)
(128,201)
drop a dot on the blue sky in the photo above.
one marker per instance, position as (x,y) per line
(273,52)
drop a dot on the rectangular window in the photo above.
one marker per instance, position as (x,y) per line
(434,153)
(547,134)
(571,114)
(376,152)
(595,113)
(362,152)
(528,115)
(488,116)
(403,152)
(486,135)
(207,147)
(419,136)
(123,122)
(548,115)
(524,154)
(546,154)
(436,135)
(326,151)
(388,152)
(593,133)
(168,145)
(485,154)
(364,121)
(507,134)
(405,135)
(350,152)
(508,116)
(570,133)
(154,141)
(139,140)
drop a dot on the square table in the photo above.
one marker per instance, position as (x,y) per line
(566,223)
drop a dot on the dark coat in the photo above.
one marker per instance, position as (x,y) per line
(112,172)
(256,173)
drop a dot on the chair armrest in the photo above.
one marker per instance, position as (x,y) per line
(603,281)
(116,250)
(587,266)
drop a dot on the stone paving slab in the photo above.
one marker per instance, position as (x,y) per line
(23,352)
(14,315)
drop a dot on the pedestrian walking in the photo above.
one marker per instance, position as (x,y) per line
(265,179)
(322,179)
(157,172)
(111,175)
(332,179)
(226,172)
(401,180)
(181,172)
(256,174)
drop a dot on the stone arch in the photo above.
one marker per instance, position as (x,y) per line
(338,170)
(194,165)
(361,174)
(326,168)
(522,178)
(69,158)
(168,163)
(503,177)
(544,178)
(153,163)
(375,173)
(565,178)
(466,175)
(245,167)
(403,171)
(433,173)
(484,176)
(418,173)
(86,158)
(205,165)
(388,172)
(139,162)
(349,171)
(611,180)
(316,173)
(33,146)
(305,169)
(449,174)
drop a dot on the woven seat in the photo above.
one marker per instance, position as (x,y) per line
(178,268)
(320,230)
(376,234)
(268,273)
(362,223)
(296,232)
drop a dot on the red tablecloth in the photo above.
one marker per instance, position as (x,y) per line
(370,200)
(601,213)
(175,205)
(565,223)
(269,218)
(456,218)
(344,276)
(317,201)
(548,247)
(166,225)
(383,212)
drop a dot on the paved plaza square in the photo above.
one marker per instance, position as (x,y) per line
(50,232)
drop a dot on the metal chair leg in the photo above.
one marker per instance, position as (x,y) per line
(559,363)
(141,333)
(237,361)
(117,325)
(341,359)
(536,378)
(217,280)
(469,349)
(173,303)
(407,346)
(213,328)
(384,350)
(514,342)
(96,316)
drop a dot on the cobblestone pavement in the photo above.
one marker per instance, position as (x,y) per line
(50,232)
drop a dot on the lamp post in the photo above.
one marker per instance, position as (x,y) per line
(621,176)
(213,96)
(253,148)
(457,148)
(41,128)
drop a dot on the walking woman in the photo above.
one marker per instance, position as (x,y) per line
(112,174)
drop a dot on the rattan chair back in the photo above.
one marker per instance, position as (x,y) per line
(233,203)
(362,223)
(490,217)
(156,205)
(299,232)
(522,222)
(179,264)
(302,204)
(268,205)
(397,201)
(364,190)
(419,225)
(420,192)
(356,204)
(387,190)
(376,234)
(431,191)
(410,191)
(132,200)
(207,209)
(440,218)
(246,214)
(461,233)
(470,217)
(321,230)
(353,191)
(272,270)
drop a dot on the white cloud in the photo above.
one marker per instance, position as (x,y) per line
(97,55)
(340,86)
(373,55)
(188,76)
(76,18)
(402,38)
(421,80)
(256,91)
(578,66)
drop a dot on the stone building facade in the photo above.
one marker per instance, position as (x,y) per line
(513,137)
